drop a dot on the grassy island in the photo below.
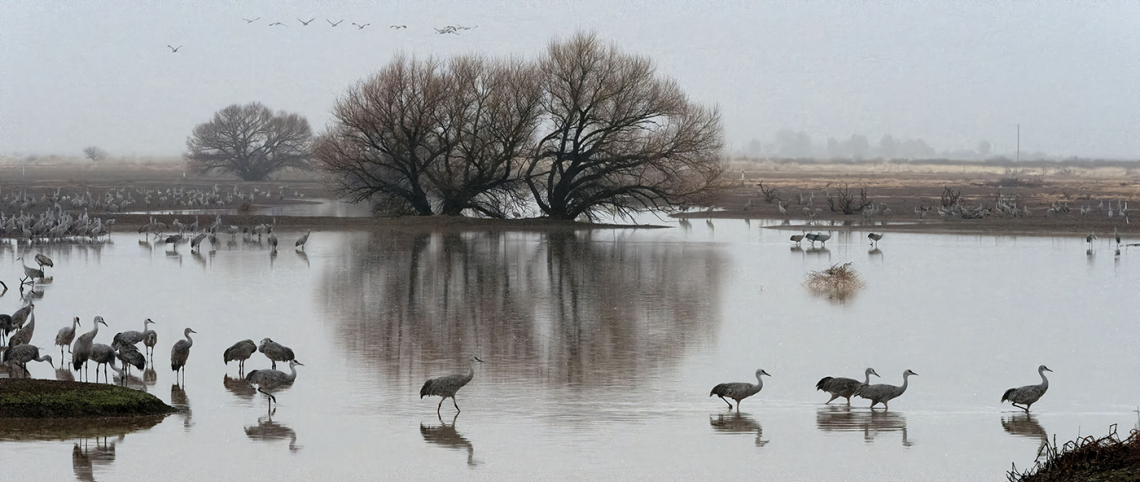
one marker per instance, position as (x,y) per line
(31,398)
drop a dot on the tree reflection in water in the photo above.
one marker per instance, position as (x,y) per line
(446,436)
(737,423)
(870,422)
(581,308)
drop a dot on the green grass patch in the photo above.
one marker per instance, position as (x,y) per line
(31,398)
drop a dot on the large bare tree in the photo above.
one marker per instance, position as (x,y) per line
(618,138)
(490,118)
(386,134)
(251,141)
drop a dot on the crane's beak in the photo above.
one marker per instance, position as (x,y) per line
(477,359)
(299,363)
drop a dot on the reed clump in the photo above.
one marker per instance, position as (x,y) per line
(1105,459)
(837,283)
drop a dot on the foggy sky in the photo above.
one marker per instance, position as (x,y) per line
(74,74)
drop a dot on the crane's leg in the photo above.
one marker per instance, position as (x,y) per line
(833,397)
(437,407)
(457,410)
(848,401)
(725,401)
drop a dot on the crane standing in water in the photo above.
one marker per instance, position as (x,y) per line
(65,336)
(445,387)
(269,380)
(276,352)
(81,349)
(240,351)
(302,240)
(180,352)
(739,391)
(1028,394)
(883,393)
(844,387)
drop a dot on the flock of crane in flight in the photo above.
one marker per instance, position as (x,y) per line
(449,29)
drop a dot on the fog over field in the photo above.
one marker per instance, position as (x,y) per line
(953,75)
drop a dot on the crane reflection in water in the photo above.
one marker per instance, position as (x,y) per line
(445,435)
(833,418)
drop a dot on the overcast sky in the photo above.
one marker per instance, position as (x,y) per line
(74,74)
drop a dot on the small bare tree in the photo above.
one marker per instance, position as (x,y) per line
(845,201)
(618,138)
(250,141)
(769,193)
(94,153)
(950,197)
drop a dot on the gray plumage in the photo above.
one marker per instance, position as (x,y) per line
(21,315)
(104,355)
(180,352)
(81,349)
(276,352)
(1028,394)
(302,240)
(6,325)
(843,387)
(130,356)
(65,336)
(445,387)
(21,355)
(43,260)
(739,391)
(874,238)
(23,336)
(240,352)
(132,337)
(150,340)
(30,272)
(272,240)
(883,393)
(268,380)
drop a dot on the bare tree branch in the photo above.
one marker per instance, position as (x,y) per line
(250,141)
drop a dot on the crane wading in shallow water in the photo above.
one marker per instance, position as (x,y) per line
(883,393)
(445,387)
(1028,394)
(65,336)
(739,391)
(180,352)
(276,352)
(240,352)
(844,387)
(81,349)
(268,380)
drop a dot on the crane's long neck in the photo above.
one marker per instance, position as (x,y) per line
(1044,381)
(759,384)
(292,373)
(867,381)
(42,358)
(906,380)
(74,324)
(189,341)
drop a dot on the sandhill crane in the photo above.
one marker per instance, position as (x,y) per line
(272,240)
(81,349)
(397,27)
(306,23)
(6,325)
(130,356)
(883,393)
(23,336)
(276,352)
(445,387)
(740,390)
(196,242)
(783,210)
(65,336)
(240,351)
(43,260)
(274,24)
(30,273)
(174,49)
(133,337)
(104,355)
(843,387)
(250,21)
(269,380)
(874,237)
(798,237)
(302,240)
(822,238)
(334,24)
(150,340)
(361,27)
(180,352)
(21,355)
(1028,394)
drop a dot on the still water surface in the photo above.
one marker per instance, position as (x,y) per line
(600,351)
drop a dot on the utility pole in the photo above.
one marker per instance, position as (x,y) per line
(1018,143)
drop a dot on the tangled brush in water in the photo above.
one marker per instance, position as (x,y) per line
(837,283)
(1087,458)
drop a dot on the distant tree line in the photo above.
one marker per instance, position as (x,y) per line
(799,145)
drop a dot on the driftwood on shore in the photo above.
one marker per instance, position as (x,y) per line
(1087,458)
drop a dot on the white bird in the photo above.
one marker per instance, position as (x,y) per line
(1028,394)
(739,391)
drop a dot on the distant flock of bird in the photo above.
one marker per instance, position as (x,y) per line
(449,29)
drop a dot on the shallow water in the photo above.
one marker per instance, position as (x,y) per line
(312,207)
(600,350)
